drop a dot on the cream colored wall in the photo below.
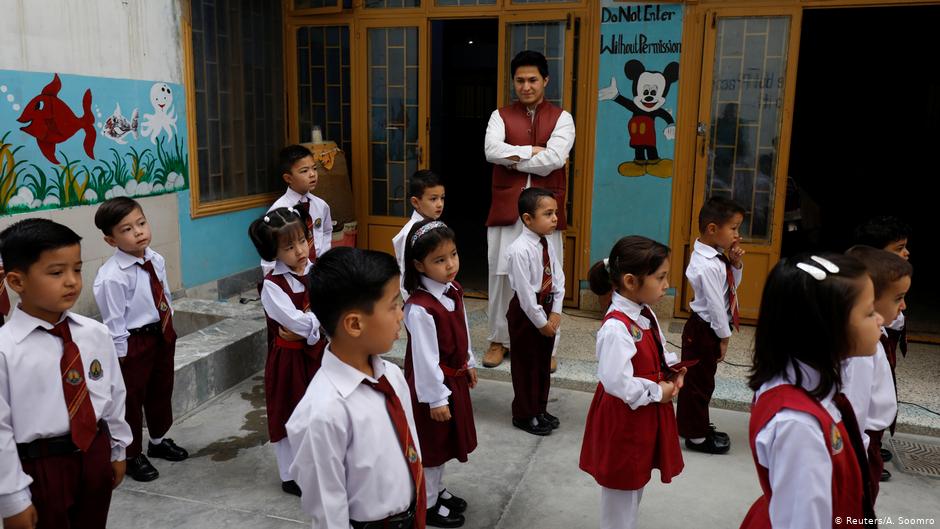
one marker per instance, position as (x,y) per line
(134,39)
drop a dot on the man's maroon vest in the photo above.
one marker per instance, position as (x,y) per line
(508,183)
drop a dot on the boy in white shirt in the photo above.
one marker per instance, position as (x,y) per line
(134,299)
(426,194)
(62,429)
(714,278)
(356,454)
(534,314)
(299,171)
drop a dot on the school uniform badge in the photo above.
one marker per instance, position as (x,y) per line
(73,377)
(412,454)
(636,332)
(317,223)
(835,439)
(94,371)
(548,270)
(163,306)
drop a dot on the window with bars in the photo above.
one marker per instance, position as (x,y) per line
(237,62)
(323,79)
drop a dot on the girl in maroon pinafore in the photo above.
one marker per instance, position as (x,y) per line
(295,344)
(631,425)
(439,365)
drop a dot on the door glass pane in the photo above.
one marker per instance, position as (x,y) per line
(393,116)
(461,3)
(314,4)
(549,39)
(391,3)
(323,84)
(749,74)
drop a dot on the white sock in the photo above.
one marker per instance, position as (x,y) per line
(446,495)
(443,511)
(156,440)
(697,440)
(535,421)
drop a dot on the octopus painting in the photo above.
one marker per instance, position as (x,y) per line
(163,117)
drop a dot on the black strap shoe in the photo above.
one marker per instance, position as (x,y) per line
(140,469)
(291,487)
(885,475)
(538,428)
(711,445)
(455,504)
(549,419)
(886,455)
(167,449)
(436,519)
(717,434)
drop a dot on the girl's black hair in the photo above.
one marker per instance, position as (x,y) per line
(633,254)
(806,319)
(269,229)
(425,244)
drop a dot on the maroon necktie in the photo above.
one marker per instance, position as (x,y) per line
(546,289)
(308,220)
(159,299)
(4,296)
(82,422)
(855,438)
(400,422)
(732,291)
(654,328)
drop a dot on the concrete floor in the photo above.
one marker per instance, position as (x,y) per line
(513,480)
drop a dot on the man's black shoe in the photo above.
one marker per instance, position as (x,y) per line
(711,445)
(140,469)
(167,449)
(535,429)
(549,419)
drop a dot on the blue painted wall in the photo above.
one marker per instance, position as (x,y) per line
(628,205)
(216,246)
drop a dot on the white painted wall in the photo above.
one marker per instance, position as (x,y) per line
(129,39)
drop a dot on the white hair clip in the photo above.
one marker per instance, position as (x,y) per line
(294,211)
(266,219)
(817,273)
(425,229)
(607,264)
(827,264)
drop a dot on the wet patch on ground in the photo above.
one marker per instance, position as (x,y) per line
(255,426)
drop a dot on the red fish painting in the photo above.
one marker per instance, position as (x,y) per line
(52,122)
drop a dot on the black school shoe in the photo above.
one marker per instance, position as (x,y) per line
(291,487)
(886,455)
(711,445)
(718,435)
(167,449)
(549,419)
(435,519)
(885,475)
(140,469)
(455,504)
(539,428)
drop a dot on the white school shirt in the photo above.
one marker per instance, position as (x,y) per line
(497,151)
(615,351)
(319,210)
(425,357)
(347,458)
(792,447)
(32,402)
(122,292)
(525,275)
(869,386)
(709,280)
(279,307)
(898,323)
(398,243)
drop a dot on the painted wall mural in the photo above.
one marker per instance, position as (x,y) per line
(636,113)
(69,140)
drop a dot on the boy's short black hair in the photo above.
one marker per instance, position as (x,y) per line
(880,232)
(529,58)
(718,211)
(883,266)
(422,180)
(112,211)
(289,156)
(22,243)
(529,199)
(346,279)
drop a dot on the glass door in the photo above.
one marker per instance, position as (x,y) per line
(394,100)
(745,113)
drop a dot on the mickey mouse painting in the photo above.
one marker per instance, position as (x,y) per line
(649,95)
